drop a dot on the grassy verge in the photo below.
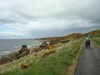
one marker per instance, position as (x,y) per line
(72,68)
(54,64)
(97,40)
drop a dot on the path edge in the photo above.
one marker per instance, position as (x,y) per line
(73,67)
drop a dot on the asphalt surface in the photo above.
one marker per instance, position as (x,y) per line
(89,61)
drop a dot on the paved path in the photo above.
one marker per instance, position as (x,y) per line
(89,62)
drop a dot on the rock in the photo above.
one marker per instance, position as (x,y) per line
(9,58)
(14,56)
(24,48)
(24,51)
(4,60)
(23,54)
(44,45)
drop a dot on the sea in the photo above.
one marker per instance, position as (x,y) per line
(12,45)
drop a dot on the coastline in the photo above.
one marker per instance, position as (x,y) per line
(7,49)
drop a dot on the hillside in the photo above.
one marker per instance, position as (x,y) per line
(95,33)
(72,36)
(64,38)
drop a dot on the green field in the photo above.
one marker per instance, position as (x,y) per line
(55,64)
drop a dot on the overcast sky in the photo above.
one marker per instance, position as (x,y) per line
(44,18)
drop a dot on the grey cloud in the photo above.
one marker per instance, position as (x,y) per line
(62,32)
(50,18)
(4,21)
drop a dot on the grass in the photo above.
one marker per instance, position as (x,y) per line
(97,40)
(54,64)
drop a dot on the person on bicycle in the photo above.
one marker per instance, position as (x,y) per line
(88,40)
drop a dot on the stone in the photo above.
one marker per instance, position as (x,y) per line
(24,51)
(24,48)
(44,44)
(14,56)
(8,58)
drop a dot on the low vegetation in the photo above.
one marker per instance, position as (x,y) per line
(97,40)
(95,36)
(53,61)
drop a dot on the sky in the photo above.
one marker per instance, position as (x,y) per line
(21,19)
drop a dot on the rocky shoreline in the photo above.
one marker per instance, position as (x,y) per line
(25,51)
(46,43)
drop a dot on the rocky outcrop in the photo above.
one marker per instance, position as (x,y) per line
(23,51)
(14,56)
(9,58)
(44,45)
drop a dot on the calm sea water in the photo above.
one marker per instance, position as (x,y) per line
(12,45)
